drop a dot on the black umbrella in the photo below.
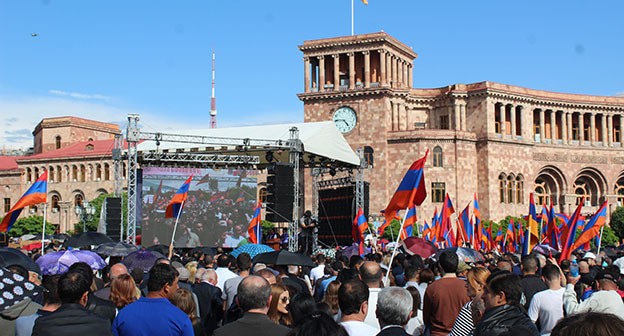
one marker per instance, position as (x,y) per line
(118,249)
(162,249)
(61,236)
(283,257)
(204,250)
(87,239)
(13,256)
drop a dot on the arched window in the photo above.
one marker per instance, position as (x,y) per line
(519,189)
(83,173)
(106,172)
(55,199)
(74,176)
(542,194)
(28,175)
(511,186)
(437,157)
(57,141)
(580,190)
(502,187)
(98,172)
(78,198)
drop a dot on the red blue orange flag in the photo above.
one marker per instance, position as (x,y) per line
(408,224)
(592,228)
(175,205)
(552,233)
(531,237)
(34,195)
(360,225)
(464,220)
(411,190)
(426,234)
(570,232)
(255,226)
(445,219)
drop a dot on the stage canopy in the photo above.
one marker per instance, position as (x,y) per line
(321,141)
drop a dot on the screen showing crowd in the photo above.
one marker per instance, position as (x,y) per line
(218,209)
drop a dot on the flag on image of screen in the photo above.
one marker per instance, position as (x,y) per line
(175,205)
(255,226)
(36,194)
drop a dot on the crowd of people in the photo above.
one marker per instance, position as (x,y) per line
(201,294)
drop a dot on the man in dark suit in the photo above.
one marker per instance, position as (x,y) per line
(210,301)
(254,295)
(394,309)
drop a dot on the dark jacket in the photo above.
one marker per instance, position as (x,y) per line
(252,324)
(103,308)
(504,318)
(393,331)
(72,319)
(210,305)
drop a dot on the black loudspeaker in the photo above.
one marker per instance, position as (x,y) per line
(113,217)
(280,196)
(336,214)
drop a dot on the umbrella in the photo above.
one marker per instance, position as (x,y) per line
(13,256)
(252,250)
(354,249)
(418,246)
(283,257)
(545,250)
(27,236)
(610,252)
(59,262)
(162,249)
(465,254)
(202,249)
(118,249)
(15,288)
(60,236)
(87,239)
(38,237)
(142,259)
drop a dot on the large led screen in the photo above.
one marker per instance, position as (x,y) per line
(217,212)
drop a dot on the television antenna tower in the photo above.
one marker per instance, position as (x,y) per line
(213,100)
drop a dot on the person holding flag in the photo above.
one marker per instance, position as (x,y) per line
(255,226)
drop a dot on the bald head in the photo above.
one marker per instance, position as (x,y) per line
(583,267)
(267,275)
(117,270)
(254,293)
(370,273)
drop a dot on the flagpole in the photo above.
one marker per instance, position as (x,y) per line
(600,242)
(45,207)
(352,18)
(396,245)
(175,227)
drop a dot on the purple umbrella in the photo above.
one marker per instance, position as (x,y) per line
(354,250)
(59,262)
(143,259)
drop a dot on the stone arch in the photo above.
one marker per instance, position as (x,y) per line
(550,185)
(502,187)
(511,188)
(437,157)
(520,189)
(618,189)
(591,183)
(101,191)
(55,200)
(79,197)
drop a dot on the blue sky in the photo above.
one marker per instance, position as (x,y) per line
(105,59)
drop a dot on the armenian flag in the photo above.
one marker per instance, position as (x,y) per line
(408,224)
(532,232)
(570,232)
(360,225)
(175,205)
(36,194)
(592,228)
(255,226)
(411,190)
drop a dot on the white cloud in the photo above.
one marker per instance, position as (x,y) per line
(79,95)
(20,115)
(619,94)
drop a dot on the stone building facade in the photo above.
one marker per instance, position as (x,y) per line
(77,153)
(499,141)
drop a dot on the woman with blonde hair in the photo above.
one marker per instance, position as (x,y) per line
(476,279)
(331,297)
(191,266)
(123,291)
(183,299)
(278,308)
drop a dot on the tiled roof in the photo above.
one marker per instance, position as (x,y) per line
(79,149)
(9,162)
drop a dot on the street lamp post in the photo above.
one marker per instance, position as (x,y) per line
(85,212)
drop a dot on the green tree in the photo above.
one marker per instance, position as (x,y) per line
(30,225)
(617,222)
(392,231)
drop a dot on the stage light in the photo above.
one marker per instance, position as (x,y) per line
(269,156)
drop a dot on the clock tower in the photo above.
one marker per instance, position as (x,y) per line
(361,83)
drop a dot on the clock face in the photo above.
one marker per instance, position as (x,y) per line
(345,119)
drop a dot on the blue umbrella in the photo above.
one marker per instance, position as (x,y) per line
(59,262)
(252,250)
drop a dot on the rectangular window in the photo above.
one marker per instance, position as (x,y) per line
(444,122)
(7,205)
(438,190)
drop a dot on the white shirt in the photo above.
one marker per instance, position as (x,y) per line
(317,272)
(547,306)
(357,328)
(224,274)
(371,317)
(415,325)
(603,301)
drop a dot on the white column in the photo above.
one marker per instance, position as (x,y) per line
(336,72)
(321,73)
